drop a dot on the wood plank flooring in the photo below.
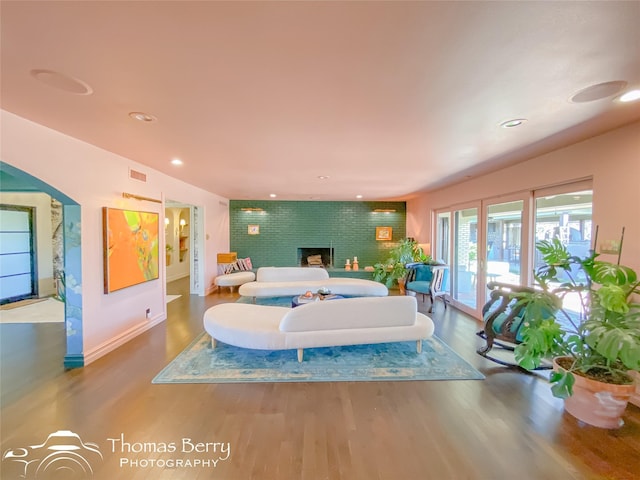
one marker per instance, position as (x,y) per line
(506,426)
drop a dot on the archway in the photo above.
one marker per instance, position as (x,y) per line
(16,180)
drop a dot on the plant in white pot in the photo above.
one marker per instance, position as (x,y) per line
(595,348)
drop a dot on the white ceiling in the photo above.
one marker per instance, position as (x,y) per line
(385,98)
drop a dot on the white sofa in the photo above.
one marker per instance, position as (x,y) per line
(349,321)
(282,281)
(234,279)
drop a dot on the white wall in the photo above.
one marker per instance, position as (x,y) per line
(612,160)
(96,178)
(44,245)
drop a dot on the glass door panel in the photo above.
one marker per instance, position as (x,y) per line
(442,250)
(17,267)
(504,243)
(464,267)
(567,217)
(443,238)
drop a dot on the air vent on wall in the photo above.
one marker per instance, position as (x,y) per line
(137,175)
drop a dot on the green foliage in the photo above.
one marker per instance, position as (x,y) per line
(562,384)
(606,335)
(394,267)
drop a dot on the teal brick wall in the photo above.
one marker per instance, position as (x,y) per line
(285,226)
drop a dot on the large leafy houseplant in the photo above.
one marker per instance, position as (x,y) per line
(602,340)
(393,268)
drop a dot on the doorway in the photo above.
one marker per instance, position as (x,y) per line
(184,245)
(177,235)
(15,181)
(18,278)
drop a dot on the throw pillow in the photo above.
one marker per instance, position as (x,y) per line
(244,264)
(226,268)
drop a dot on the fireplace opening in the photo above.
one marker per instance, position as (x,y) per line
(321,257)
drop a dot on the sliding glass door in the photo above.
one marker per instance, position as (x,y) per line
(441,252)
(464,268)
(486,241)
(503,246)
(494,239)
(566,216)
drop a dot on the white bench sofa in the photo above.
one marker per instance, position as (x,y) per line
(349,321)
(282,281)
(234,279)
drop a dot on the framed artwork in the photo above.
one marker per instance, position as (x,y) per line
(253,229)
(384,233)
(130,247)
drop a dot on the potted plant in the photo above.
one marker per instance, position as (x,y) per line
(393,269)
(595,348)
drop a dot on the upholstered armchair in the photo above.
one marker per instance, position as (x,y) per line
(427,279)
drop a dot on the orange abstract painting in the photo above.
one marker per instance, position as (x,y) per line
(130,248)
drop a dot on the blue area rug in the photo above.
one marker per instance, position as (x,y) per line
(198,363)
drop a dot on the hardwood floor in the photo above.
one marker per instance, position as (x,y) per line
(506,426)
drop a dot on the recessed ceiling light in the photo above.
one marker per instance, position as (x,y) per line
(176,161)
(62,82)
(323,177)
(358,196)
(273,195)
(142,117)
(516,122)
(598,91)
(630,96)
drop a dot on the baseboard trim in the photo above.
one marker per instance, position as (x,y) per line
(110,345)
(175,277)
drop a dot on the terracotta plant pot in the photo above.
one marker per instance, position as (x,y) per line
(597,403)
(401,285)
(635,398)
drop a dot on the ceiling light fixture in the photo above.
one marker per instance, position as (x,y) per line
(176,161)
(142,117)
(384,210)
(358,196)
(62,82)
(251,209)
(516,122)
(323,177)
(273,195)
(598,91)
(630,96)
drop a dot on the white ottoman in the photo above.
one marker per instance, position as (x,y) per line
(234,279)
